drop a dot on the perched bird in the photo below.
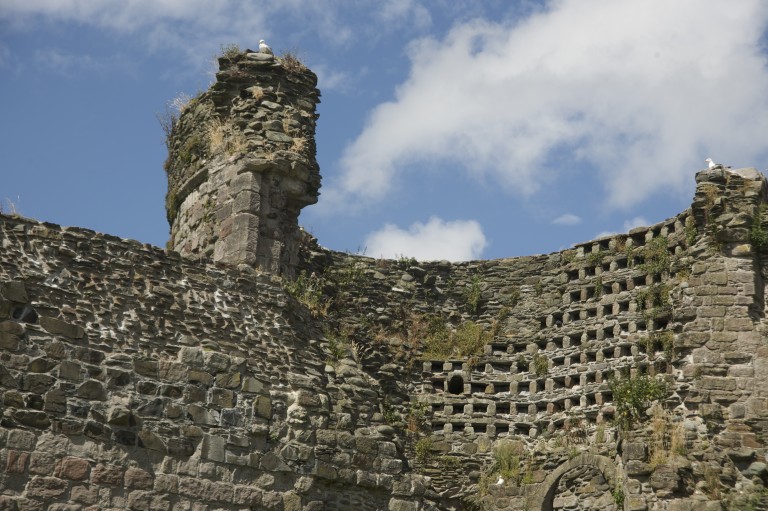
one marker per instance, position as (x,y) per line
(711,164)
(500,481)
(264,48)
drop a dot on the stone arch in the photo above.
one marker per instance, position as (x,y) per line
(542,498)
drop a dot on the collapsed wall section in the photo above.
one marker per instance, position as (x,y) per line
(241,163)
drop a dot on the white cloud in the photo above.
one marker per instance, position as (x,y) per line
(460,240)
(637,91)
(567,219)
(404,11)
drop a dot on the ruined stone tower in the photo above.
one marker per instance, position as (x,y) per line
(241,163)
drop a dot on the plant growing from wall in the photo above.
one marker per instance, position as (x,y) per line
(656,256)
(291,62)
(654,301)
(618,497)
(632,395)
(594,257)
(423,450)
(758,236)
(308,290)
(473,294)
(598,291)
(416,420)
(690,230)
(540,365)
(467,341)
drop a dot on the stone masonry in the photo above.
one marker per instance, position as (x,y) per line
(254,369)
(241,164)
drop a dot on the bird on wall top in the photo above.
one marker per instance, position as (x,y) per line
(711,164)
(264,48)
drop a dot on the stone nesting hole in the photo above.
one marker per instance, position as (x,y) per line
(456,384)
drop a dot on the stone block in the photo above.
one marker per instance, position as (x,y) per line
(171,371)
(16,462)
(92,389)
(75,469)
(58,327)
(213,448)
(262,407)
(228,380)
(32,418)
(46,488)
(198,376)
(634,451)
(107,474)
(21,440)
(396,504)
(221,398)
(42,463)
(635,503)
(138,478)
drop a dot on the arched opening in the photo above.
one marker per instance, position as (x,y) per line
(456,384)
(584,482)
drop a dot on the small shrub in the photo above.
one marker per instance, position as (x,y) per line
(514,296)
(468,340)
(598,291)
(417,416)
(690,231)
(450,462)
(522,364)
(473,294)
(308,291)
(594,257)
(758,236)
(656,256)
(291,62)
(338,346)
(506,461)
(223,136)
(423,450)
(540,365)
(633,394)
(618,497)
(229,51)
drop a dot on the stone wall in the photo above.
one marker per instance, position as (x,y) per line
(682,300)
(134,379)
(241,163)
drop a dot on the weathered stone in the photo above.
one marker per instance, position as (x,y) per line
(45,488)
(75,469)
(59,327)
(107,474)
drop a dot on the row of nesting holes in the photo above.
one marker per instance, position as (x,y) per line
(502,428)
(506,408)
(456,384)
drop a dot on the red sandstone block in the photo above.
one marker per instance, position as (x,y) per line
(17,461)
(75,469)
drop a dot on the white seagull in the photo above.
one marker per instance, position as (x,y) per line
(264,48)
(500,481)
(712,164)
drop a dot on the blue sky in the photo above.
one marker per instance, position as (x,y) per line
(448,129)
